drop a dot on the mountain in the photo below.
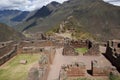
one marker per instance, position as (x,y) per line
(44,11)
(94,17)
(20,17)
(8,33)
(12,17)
(37,16)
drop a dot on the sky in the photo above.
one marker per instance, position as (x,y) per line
(30,5)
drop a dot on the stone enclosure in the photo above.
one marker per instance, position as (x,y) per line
(47,50)
(69,47)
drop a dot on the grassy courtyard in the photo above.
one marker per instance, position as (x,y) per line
(13,70)
(81,50)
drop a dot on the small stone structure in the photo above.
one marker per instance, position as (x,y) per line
(113,52)
(100,70)
(69,47)
(23,62)
(37,36)
(94,49)
(73,70)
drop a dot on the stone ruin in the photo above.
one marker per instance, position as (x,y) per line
(41,72)
(69,47)
(72,70)
(93,49)
(7,51)
(37,36)
(100,70)
(23,61)
(34,46)
(78,69)
(113,53)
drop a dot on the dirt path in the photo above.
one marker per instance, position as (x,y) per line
(61,60)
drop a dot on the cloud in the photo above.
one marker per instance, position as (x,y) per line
(28,5)
(114,2)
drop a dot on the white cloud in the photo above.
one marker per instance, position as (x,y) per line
(114,2)
(30,5)
(25,4)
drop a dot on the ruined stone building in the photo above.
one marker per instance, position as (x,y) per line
(69,47)
(99,69)
(34,46)
(113,52)
(72,70)
(43,69)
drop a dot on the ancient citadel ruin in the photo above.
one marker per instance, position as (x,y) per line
(48,47)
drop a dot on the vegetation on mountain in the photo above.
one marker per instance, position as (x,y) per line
(8,33)
(93,18)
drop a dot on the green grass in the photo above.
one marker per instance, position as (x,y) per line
(13,70)
(114,77)
(81,50)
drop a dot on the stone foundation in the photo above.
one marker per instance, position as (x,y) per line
(73,70)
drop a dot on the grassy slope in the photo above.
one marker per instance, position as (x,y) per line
(12,70)
(7,33)
(94,16)
(97,20)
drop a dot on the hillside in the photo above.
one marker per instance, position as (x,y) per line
(7,33)
(12,17)
(93,16)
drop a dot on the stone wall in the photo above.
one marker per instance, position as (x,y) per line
(38,73)
(69,51)
(69,47)
(113,53)
(5,47)
(73,70)
(50,52)
(11,53)
(98,70)
(34,46)
(41,72)
(79,43)
(94,50)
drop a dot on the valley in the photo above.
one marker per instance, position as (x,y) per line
(73,40)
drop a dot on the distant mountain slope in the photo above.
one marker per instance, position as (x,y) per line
(7,33)
(36,17)
(93,16)
(20,17)
(12,17)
